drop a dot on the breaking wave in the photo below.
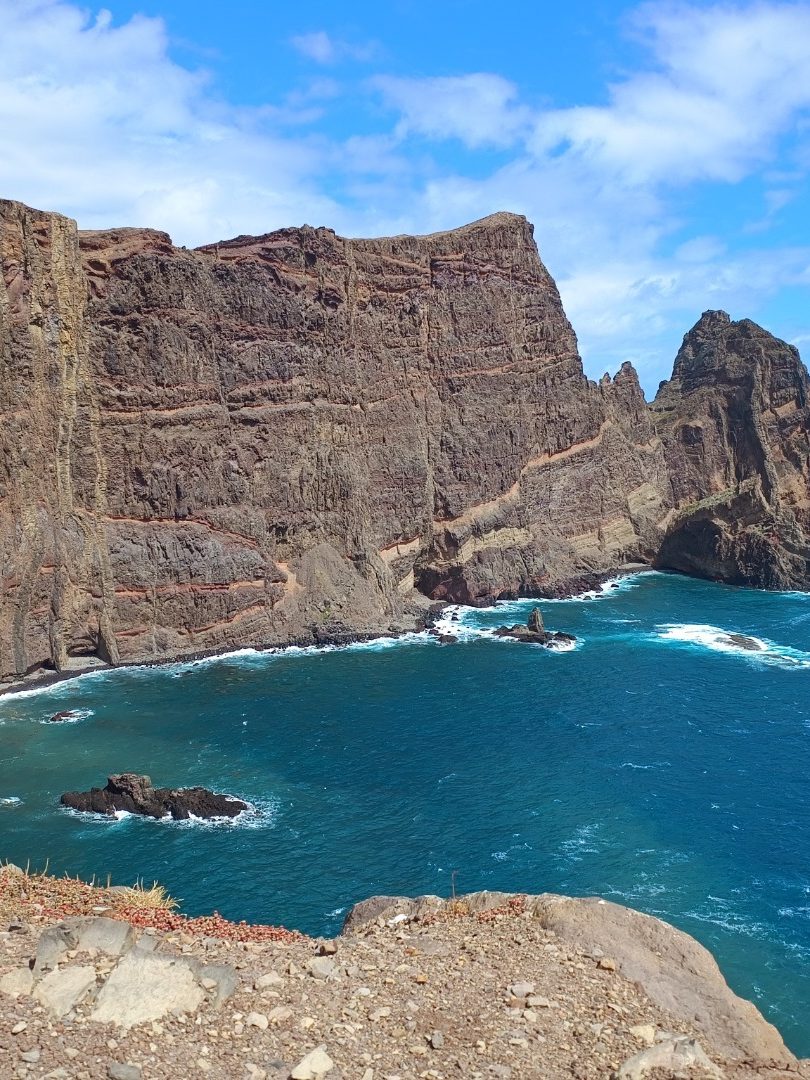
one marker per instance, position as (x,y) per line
(733,643)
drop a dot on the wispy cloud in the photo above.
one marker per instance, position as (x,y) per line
(325,49)
(479,109)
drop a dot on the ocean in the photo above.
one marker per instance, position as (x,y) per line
(658,763)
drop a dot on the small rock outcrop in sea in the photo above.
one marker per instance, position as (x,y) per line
(136,795)
(62,717)
(534,632)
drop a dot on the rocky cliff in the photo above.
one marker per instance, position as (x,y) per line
(734,420)
(301,437)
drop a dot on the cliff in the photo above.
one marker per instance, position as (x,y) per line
(302,437)
(734,420)
(491,984)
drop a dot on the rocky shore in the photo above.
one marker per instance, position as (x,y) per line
(490,985)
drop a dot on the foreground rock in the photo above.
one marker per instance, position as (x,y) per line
(490,985)
(135,795)
(535,633)
(675,971)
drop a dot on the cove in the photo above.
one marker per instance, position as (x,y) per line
(657,764)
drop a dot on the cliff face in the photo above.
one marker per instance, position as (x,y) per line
(278,437)
(735,424)
(298,436)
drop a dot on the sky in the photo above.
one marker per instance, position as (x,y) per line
(662,150)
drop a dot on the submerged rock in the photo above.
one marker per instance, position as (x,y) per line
(136,795)
(61,717)
(743,642)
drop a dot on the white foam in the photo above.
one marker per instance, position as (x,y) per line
(652,765)
(76,717)
(461,628)
(719,640)
(11,800)
(258,814)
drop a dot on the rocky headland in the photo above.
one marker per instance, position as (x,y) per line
(299,437)
(490,985)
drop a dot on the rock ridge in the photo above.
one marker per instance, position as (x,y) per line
(301,437)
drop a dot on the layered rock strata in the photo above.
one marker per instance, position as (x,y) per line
(299,437)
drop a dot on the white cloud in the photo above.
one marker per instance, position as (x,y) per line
(325,49)
(479,109)
(724,83)
(722,86)
(100,122)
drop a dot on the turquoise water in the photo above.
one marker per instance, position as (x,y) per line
(653,764)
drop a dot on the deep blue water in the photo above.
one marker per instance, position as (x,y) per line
(651,765)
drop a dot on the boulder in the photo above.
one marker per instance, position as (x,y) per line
(535,622)
(744,642)
(17,982)
(61,990)
(61,717)
(147,986)
(316,1064)
(135,794)
(676,1056)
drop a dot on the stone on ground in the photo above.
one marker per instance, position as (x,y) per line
(316,1064)
(16,982)
(111,936)
(676,1055)
(62,990)
(147,986)
(124,1071)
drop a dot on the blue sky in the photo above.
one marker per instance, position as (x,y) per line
(662,150)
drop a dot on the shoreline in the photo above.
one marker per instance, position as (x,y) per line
(569,589)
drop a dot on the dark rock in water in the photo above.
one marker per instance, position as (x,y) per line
(135,794)
(448,639)
(534,632)
(61,717)
(743,642)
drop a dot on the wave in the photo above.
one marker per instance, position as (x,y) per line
(734,643)
(11,800)
(76,716)
(611,587)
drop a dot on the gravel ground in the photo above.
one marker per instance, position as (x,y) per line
(433,999)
